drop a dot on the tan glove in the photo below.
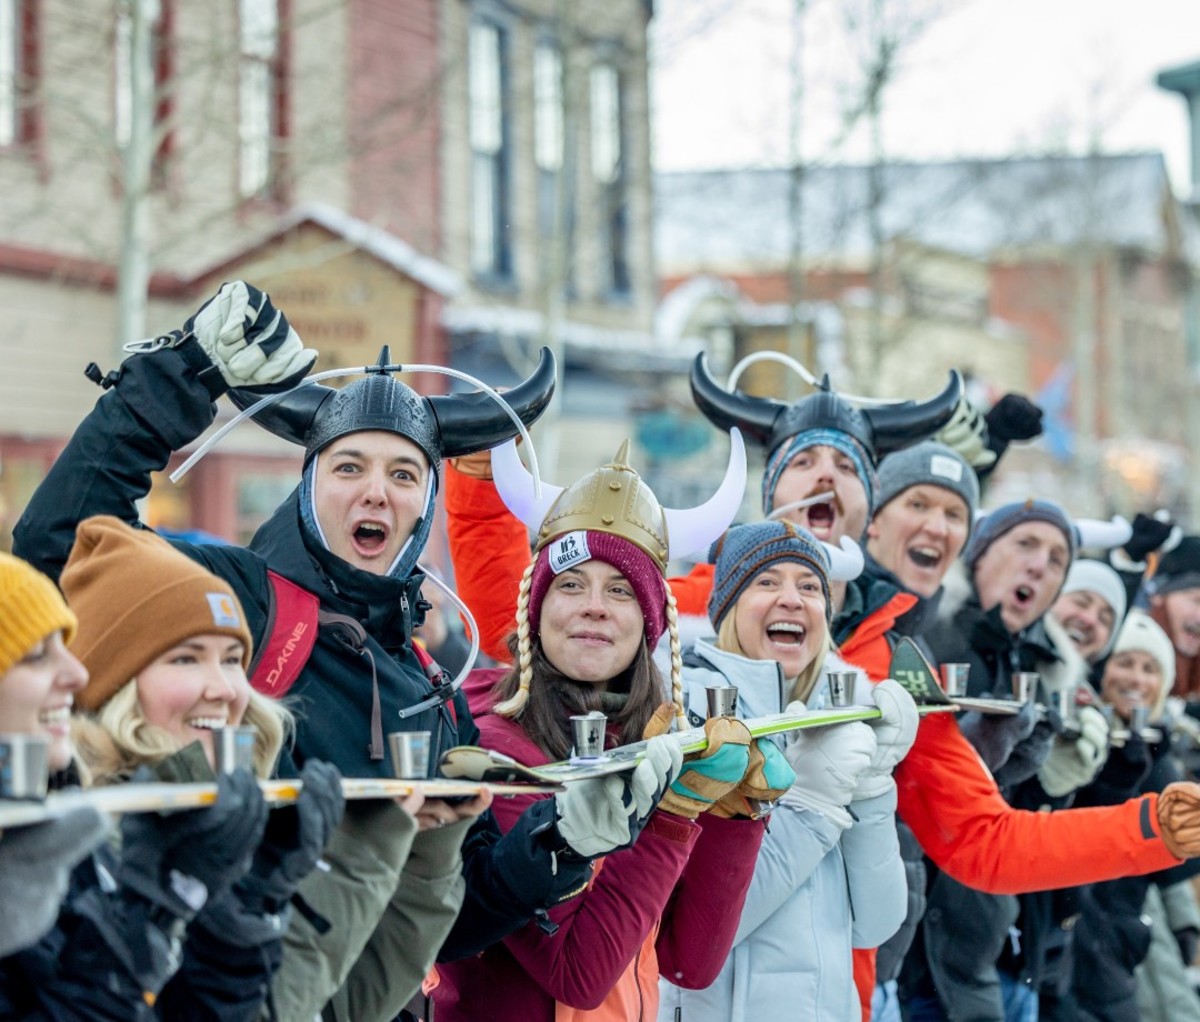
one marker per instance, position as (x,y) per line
(477,465)
(768,776)
(1179,818)
(708,776)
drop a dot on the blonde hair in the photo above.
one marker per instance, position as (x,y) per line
(114,741)
(804,682)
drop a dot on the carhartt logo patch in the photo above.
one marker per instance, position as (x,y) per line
(568,550)
(224,610)
(947,468)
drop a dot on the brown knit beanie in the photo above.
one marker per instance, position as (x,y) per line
(30,610)
(136,597)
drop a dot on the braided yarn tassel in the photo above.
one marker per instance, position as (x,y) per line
(512,706)
(676,661)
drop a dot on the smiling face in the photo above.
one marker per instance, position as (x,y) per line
(1183,619)
(370,489)
(196,686)
(918,535)
(36,695)
(781,616)
(1022,572)
(1131,678)
(817,470)
(1088,620)
(591,624)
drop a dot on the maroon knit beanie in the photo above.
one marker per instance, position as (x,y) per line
(631,561)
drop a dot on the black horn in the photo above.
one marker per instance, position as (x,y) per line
(289,417)
(475,422)
(898,426)
(754,416)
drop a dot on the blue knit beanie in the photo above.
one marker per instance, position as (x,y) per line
(996,523)
(864,465)
(745,551)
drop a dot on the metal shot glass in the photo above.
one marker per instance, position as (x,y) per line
(410,754)
(1139,719)
(841,687)
(1024,685)
(954,679)
(1107,711)
(1064,703)
(24,766)
(722,700)
(233,748)
(588,730)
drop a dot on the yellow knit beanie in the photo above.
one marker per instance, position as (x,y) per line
(136,597)
(30,610)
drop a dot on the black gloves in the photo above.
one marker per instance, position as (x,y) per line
(996,735)
(1148,535)
(1028,755)
(177,861)
(1013,417)
(295,837)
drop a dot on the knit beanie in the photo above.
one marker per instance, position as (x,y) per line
(864,465)
(30,610)
(1004,519)
(1139,632)
(745,551)
(1087,575)
(631,561)
(1179,568)
(136,597)
(928,463)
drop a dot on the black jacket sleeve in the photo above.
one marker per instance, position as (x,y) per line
(157,406)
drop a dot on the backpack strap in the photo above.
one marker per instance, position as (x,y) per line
(289,643)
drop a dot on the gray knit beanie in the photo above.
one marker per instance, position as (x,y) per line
(996,523)
(745,551)
(928,463)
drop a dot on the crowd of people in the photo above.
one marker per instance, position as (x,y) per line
(1028,858)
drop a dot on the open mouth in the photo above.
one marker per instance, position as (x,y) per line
(207,723)
(1079,636)
(786,633)
(1023,595)
(370,538)
(56,717)
(1192,629)
(821,516)
(925,556)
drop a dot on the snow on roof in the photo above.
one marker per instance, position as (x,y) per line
(740,218)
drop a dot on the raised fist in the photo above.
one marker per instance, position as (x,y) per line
(249,340)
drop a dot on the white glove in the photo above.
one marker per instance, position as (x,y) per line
(895,732)
(35,865)
(1072,763)
(249,340)
(828,762)
(967,434)
(602,814)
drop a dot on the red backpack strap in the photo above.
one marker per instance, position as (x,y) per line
(435,673)
(289,643)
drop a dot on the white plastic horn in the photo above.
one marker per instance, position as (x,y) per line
(845,561)
(516,486)
(692,530)
(1092,532)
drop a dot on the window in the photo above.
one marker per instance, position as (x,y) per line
(160,16)
(490,253)
(548,130)
(262,99)
(608,172)
(20,114)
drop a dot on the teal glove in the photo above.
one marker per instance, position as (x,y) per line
(768,776)
(712,774)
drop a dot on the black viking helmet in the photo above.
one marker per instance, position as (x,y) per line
(443,425)
(881,430)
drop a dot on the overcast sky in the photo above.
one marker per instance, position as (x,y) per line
(976,78)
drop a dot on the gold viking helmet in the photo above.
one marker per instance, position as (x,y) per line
(612,499)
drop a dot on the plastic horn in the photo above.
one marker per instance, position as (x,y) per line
(800,370)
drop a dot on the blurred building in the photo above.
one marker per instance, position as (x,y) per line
(1068,279)
(462,180)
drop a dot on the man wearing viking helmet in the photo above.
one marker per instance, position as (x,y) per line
(349,538)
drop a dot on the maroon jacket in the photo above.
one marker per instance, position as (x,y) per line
(686,878)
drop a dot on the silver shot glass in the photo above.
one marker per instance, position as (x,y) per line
(1024,685)
(24,766)
(841,687)
(954,679)
(233,748)
(410,754)
(588,731)
(722,700)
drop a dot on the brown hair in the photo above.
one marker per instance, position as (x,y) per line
(553,698)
